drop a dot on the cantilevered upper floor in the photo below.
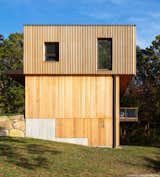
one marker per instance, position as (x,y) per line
(80,49)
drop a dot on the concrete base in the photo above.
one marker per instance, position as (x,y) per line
(46,129)
(81,141)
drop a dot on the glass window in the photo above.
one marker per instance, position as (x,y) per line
(105,53)
(52,51)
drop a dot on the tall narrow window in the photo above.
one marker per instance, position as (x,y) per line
(104,53)
(51,51)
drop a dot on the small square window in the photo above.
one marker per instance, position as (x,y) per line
(52,51)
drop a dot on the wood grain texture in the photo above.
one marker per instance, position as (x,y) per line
(81,105)
(78,48)
(68,97)
(98,131)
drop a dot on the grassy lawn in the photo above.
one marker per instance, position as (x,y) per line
(8,114)
(24,157)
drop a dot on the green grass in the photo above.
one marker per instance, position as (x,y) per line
(24,157)
(8,114)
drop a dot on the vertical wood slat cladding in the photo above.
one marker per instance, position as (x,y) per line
(98,131)
(68,97)
(78,48)
(81,105)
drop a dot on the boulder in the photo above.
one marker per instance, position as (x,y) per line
(5,123)
(17,117)
(3,117)
(3,132)
(20,125)
(16,133)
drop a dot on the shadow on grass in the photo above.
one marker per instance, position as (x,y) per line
(26,154)
(150,161)
(3,131)
(7,139)
(154,164)
(141,144)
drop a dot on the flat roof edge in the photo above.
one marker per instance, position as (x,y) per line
(79,25)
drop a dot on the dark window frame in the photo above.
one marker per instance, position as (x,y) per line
(111,54)
(47,55)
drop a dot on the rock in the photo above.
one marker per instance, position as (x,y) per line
(12,126)
(3,132)
(4,117)
(20,125)
(5,123)
(16,133)
(17,117)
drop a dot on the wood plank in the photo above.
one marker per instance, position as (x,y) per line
(68,97)
(81,105)
(98,131)
(78,48)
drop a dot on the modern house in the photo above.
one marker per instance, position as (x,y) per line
(75,76)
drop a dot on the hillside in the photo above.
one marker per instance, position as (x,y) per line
(31,157)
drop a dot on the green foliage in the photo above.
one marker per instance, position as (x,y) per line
(11,58)
(144,92)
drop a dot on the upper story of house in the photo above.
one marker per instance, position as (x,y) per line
(80,49)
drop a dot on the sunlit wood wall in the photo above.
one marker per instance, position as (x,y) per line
(81,105)
(78,48)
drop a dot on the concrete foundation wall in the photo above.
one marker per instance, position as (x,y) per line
(40,128)
(46,129)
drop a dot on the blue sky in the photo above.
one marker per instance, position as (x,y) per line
(144,13)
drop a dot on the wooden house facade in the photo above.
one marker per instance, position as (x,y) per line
(74,78)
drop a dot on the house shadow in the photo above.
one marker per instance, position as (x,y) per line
(153,164)
(3,131)
(26,155)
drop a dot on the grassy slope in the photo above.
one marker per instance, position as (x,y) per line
(31,157)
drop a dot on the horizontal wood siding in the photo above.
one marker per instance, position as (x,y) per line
(78,49)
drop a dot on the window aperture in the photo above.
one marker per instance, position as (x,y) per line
(52,51)
(104,53)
